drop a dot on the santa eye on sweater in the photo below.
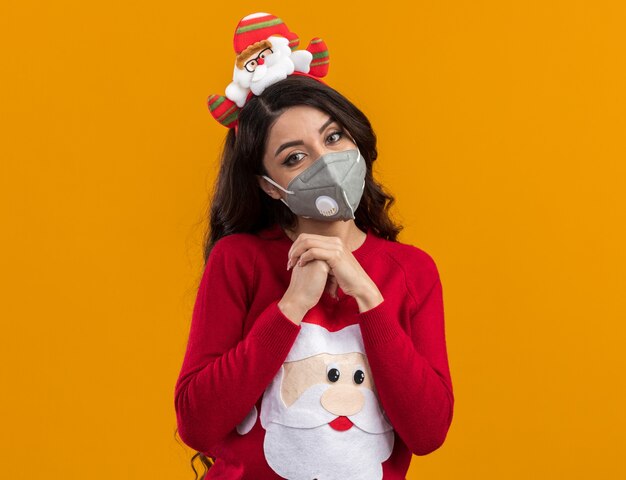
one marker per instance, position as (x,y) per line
(332,372)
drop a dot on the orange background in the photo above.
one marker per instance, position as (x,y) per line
(501,134)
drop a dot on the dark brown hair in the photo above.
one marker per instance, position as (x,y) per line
(238,203)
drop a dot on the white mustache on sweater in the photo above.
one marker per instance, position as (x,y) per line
(308,412)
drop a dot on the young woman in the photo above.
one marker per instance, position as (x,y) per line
(317,345)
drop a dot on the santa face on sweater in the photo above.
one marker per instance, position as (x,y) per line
(321,412)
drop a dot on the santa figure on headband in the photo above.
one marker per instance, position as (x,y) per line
(321,413)
(266,53)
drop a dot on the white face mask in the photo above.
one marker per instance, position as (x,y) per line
(329,189)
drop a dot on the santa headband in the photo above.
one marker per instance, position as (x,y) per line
(266,54)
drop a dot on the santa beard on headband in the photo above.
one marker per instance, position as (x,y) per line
(322,417)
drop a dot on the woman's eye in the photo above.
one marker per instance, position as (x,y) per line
(336,135)
(293,157)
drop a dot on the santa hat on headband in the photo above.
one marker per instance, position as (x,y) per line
(266,54)
(258,27)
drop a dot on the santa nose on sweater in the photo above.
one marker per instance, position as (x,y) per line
(343,400)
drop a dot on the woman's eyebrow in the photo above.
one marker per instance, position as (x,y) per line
(300,142)
(328,122)
(287,145)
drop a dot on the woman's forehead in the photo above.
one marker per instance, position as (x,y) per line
(298,120)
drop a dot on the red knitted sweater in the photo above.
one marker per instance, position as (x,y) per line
(346,394)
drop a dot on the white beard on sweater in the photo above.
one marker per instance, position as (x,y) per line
(298,451)
(300,403)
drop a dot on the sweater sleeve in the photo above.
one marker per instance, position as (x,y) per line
(223,374)
(411,372)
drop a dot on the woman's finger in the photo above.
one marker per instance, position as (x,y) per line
(303,244)
(329,256)
(332,286)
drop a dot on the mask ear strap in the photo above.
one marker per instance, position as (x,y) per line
(274,183)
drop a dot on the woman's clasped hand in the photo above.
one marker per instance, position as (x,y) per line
(345,272)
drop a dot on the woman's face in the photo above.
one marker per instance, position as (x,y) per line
(297,139)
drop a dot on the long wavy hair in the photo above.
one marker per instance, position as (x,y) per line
(239,204)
